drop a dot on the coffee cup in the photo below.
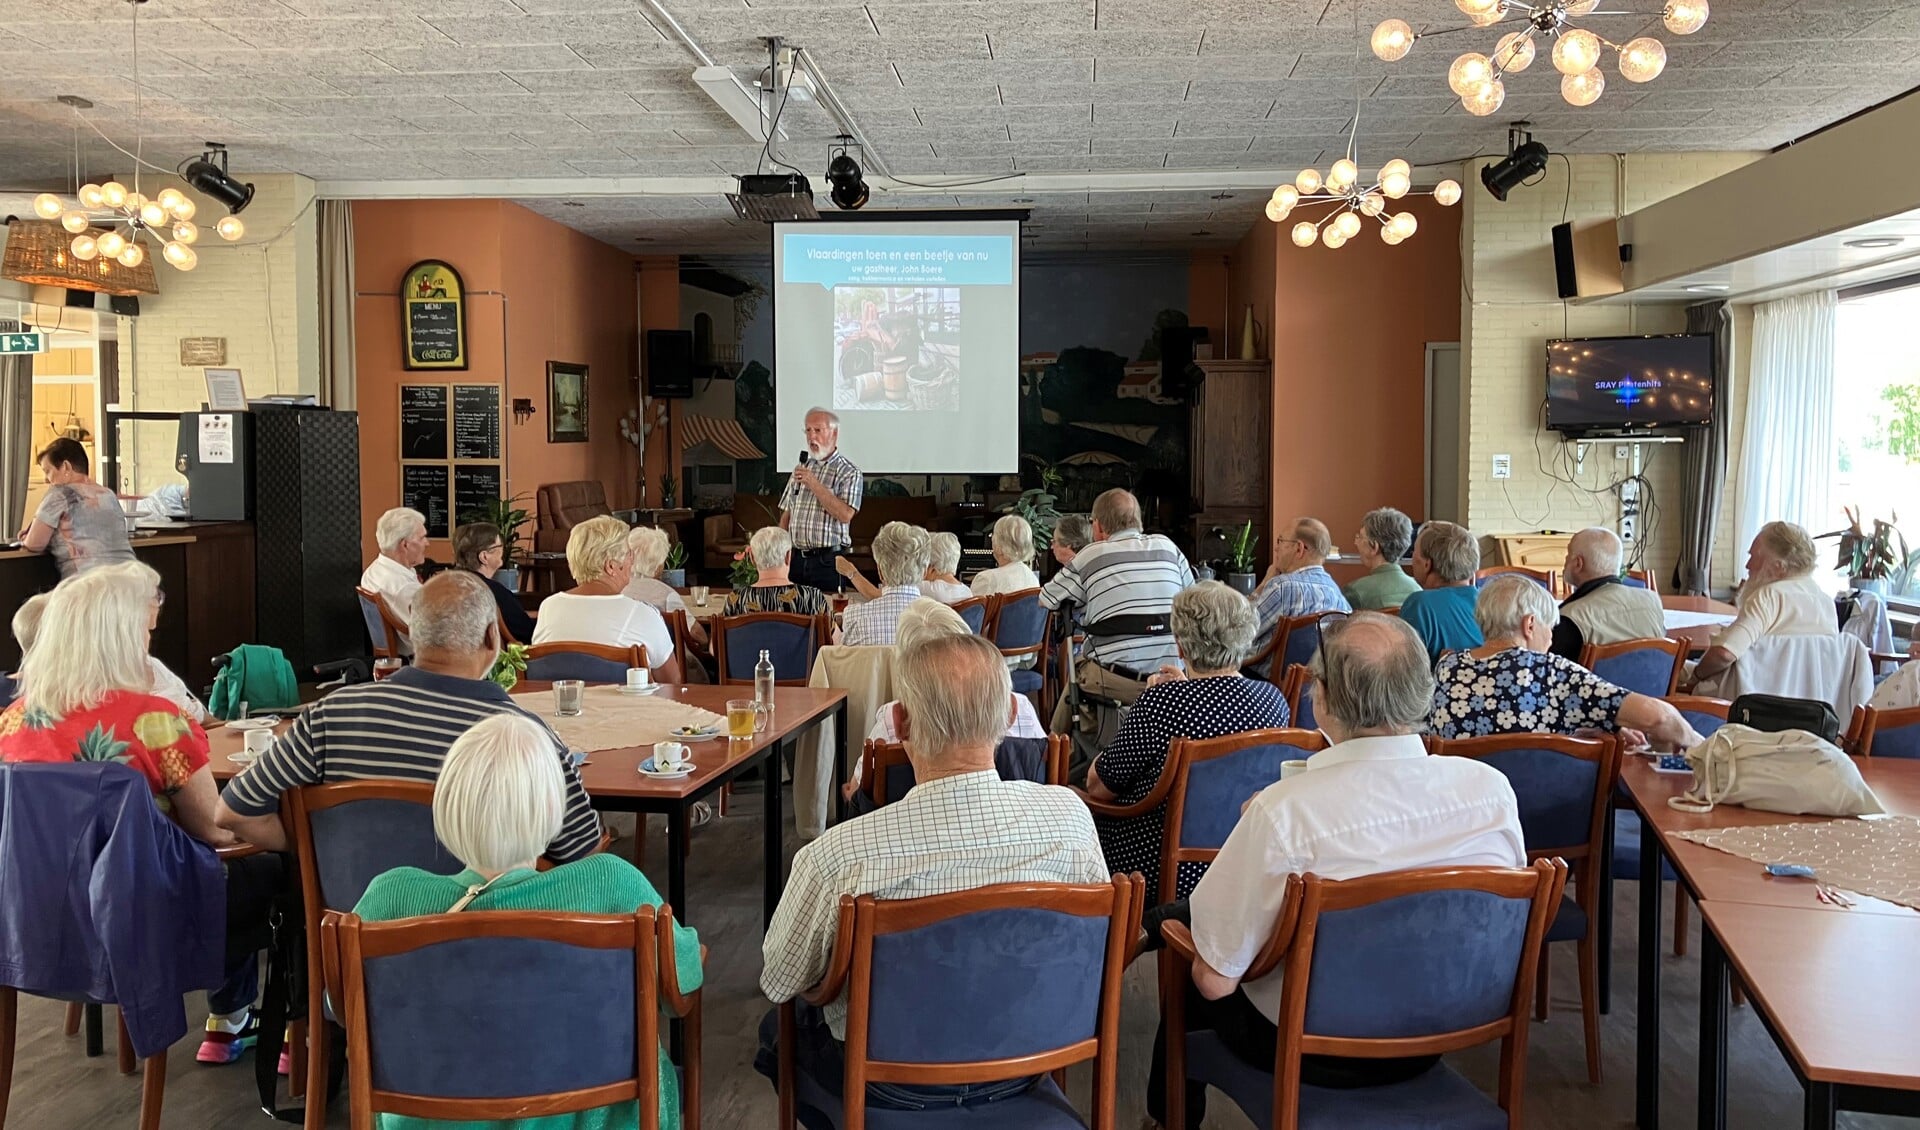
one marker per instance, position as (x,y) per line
(669,755)
(258,742)
(1289,768)
(639,677)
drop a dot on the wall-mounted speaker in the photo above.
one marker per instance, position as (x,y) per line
(1586,259)
(669,370)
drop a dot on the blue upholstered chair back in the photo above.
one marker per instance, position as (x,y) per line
(9,690)
(1218,786)
(1303,717)
(1021,622)
(485,1018)
(1633,582)
(993,984)
(1480,582)
(1644,670)
(1021,759)
(356,841)
(578,665)
(1302,642)
(1901,739)
(1421,964)
(1703,723)
(1555,791)
(376,627)
(789,645)
(975,615)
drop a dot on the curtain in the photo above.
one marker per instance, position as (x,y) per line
(1703,467)
(1786,457)
(336,304)
(16,432)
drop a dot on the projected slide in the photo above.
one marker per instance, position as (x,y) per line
(910,332)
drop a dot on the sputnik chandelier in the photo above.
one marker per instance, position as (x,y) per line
(1480,80)
(1341,187)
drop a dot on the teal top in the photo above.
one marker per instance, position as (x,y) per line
(598,884)
(1386,587)
(1444,618)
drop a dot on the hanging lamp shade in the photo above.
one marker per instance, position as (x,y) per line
(39,252)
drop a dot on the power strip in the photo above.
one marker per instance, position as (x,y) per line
(1629,510)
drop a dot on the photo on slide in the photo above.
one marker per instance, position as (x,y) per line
(896,348)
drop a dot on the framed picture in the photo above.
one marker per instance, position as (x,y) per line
(566,402)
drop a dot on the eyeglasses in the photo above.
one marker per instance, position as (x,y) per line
(494,546)
(159,597)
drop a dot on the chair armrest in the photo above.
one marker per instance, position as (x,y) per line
(1116,811)
(237,851)
(1179,941)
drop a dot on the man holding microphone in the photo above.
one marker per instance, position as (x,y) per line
(820,500)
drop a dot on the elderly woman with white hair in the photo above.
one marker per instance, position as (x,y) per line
(1013,559)
(900,552)
(650,546)
(1512,684)
(1780,598)
(597,609)
(942,582)
(774,591)
(166,684)
(1214,627)
(499,801)
(401,534)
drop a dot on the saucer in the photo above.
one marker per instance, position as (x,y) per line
(639,692)
(701,734)
(259,722)
(647,770)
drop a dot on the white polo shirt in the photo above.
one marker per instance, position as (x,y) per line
(1365,806)
(398,584)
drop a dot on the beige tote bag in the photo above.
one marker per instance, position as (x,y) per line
(1791,771)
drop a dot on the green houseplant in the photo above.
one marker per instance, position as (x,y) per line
(511,664)
(674,572)
(506,515)
(1037,507)
(1870,558)
(1240,553)
(668,493)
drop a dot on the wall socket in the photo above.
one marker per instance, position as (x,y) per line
(1621,452)
(1503,466)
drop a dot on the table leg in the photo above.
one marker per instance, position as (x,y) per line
(1823,1106)
(1606,917)
(1646,1081)
(840,740)
(95,1036)
(1713,1031)
(773,835)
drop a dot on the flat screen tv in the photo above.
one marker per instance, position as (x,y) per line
(1617,385)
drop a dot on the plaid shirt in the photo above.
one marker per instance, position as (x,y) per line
(809,523)
(1299,593)
(875,621)
(954,834)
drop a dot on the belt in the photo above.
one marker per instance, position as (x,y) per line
(821,549)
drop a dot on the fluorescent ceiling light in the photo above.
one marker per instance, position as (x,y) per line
(1708,288)
(733,96)
(1874,243)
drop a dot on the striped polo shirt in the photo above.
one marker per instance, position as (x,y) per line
(1128,574)
(396,730)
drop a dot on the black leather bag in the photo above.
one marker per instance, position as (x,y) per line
(1774,713)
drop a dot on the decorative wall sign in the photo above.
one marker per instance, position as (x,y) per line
(433,306)
(423,422)
(566,402)
(476,422)
(200,352)
(425,488)
(475,486)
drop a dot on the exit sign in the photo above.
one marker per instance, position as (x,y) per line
(23,343)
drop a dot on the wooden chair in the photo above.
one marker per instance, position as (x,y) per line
(1295,640)
(1888,733)
(1416,962)
(1705,715)
(886,774)
(506,633)
(512,1054)
(1215,777)
(974,610)
(1548,579)
(1651,667)
(384,629)
(590,662)
(1642,579)
(793,640)
(1565,789)
(1297,688)
(677,628)
(1033,987)
(1019,625)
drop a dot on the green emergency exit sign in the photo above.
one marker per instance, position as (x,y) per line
(23,343)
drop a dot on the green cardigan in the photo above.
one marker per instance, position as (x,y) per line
(1387,586)
(598,884)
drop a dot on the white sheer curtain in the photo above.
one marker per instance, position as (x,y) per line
(1786,457)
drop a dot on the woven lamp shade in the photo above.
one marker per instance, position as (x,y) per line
(38,253)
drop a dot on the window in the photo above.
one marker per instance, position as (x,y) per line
(1877,412)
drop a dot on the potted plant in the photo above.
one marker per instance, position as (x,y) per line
(507,516)
(1240,560)
(667,493)
(674,573)
(511,664)
(1869,558)
(744,572)
(1036,506)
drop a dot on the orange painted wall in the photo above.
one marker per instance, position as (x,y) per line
(566,298)
(1207,296)
(1348,330)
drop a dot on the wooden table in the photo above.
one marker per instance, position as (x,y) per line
(1698,638)
(1710,875)
(1836,991)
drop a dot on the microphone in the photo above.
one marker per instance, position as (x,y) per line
(803,457)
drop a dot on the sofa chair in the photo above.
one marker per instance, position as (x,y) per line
(561,507)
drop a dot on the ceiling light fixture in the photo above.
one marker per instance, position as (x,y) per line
(1576,52)
(208,173)
(730,94)
(849,192)
(1876,242)
(1708,288)
(1525,159)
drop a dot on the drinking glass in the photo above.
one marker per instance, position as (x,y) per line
(761,712)
(386,665)
(568,696)
(741,715)
(700,595)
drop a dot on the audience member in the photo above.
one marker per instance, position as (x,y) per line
(650,546)
(772,551)
(402,536)
(1012,559)
(400,728)
(1123,586)
(1513,685)
(1384,538)
(1071,534)
(1297,584)
(597,609)
(942,582)
(926,619)
(479,548)
(1445,559)
(87,695)
(1214,627)
(1372,802)
(960,828)
(1780,598)
(500,799)
(79,521)
(1901,691)
(166,684)
(1603,608)
(900,555)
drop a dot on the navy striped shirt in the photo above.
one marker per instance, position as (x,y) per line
(396,730)
(1128,574)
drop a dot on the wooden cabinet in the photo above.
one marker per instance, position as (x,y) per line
(1230,442)
(1535,551)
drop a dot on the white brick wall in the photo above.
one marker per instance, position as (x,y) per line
(1509,312)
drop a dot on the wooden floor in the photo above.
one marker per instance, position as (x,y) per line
(57,1087)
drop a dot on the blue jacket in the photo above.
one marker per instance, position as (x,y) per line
(104,899)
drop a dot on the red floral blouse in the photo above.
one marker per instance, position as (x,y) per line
(141,730)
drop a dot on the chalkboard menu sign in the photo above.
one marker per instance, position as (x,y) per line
(476,421)
(425,489)
(423,421)
(476,486)
(433,308)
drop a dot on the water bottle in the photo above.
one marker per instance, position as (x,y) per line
(762,692)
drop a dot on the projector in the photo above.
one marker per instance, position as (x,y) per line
(774,196)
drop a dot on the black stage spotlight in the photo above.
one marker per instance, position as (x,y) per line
(213,180)
(849,190)
(1525,158)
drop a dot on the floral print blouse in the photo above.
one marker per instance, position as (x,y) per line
(141,730)
(1517,691)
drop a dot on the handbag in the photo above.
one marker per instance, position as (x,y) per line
(1791,771)
(1773,713)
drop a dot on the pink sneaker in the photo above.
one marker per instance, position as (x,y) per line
(226,1042)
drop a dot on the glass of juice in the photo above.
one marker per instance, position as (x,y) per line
(740,717)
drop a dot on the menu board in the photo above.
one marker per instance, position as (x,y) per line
(476,487)
(425,489)
(476,421)
(434,316)
(423,422)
